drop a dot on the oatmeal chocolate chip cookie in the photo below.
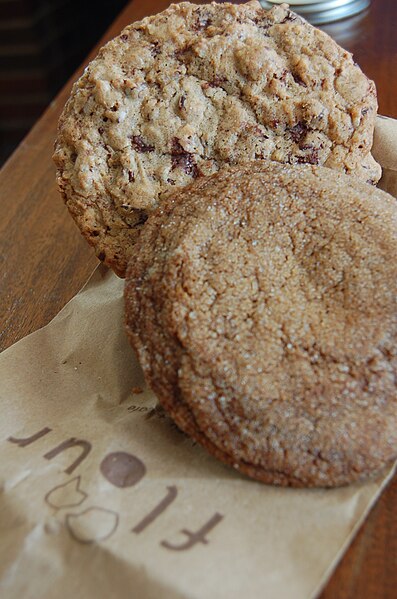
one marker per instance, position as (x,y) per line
(181,93)
(262,303)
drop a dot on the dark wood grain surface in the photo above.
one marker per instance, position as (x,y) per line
(44,261)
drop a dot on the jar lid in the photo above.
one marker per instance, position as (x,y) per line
(318,12)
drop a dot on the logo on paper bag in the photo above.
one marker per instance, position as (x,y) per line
(89,523)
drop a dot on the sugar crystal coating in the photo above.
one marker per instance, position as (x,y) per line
(262,303)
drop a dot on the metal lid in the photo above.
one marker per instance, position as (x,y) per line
(324,12)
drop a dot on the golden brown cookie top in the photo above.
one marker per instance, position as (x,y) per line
(262,302)
(186,91)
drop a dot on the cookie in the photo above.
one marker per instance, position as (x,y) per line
(262,304)
(181,93)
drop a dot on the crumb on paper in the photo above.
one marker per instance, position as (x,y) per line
(136,390)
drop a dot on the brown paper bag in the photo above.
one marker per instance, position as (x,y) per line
(103,497)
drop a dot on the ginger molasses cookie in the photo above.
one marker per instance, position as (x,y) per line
(181,93)
(262,303)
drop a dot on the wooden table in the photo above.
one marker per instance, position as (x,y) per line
(44,261)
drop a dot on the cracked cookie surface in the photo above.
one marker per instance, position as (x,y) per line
(181,93)
(262,303)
